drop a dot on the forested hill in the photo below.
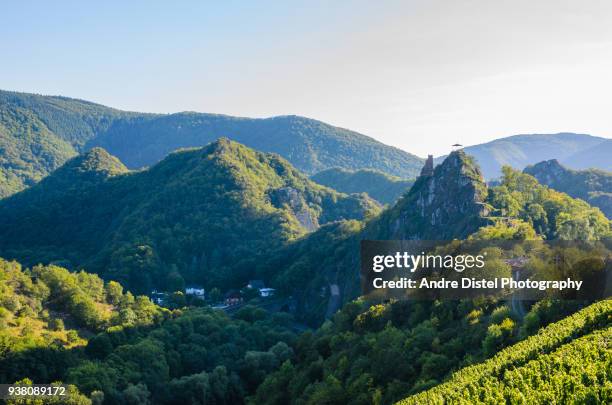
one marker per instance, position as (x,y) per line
(39,133)
(382,352)
(591,185)
(453,202)
(114,348)
(380,186)
(310,145)
(202,215)
(447,204)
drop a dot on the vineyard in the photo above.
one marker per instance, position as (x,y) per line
(567,362)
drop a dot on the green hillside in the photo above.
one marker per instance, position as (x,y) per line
(39,133)
(80,301)
(382,353)
(72,120)
(378,185)
(47,314)
(57,326)
(453,203)
(566,362)
(591,185)
(372,352)
(328,260)
(28,150)
(202,215)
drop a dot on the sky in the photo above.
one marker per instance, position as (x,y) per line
(419,75)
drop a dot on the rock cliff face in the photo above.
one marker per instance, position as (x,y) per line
(291,198)
(446,203)
(593,186)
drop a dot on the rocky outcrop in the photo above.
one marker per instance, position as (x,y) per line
(446,204)
(290,197)
(428,168)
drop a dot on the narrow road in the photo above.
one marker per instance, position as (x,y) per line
(516,302)
(334,300)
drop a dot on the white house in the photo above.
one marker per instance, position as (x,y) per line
(195,290)
(266,292)
(158,297)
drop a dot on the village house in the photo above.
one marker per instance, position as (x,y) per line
(261,288)
(266,292)
(196,291)
(233,297)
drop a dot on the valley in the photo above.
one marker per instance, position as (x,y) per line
(226,274)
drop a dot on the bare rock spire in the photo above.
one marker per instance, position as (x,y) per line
(428,169)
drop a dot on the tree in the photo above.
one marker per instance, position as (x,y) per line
(215,295)
(136,394)
(99,346)
(114,292)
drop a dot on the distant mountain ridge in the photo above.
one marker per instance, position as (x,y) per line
(310,145)
(597,156)
(39,133)
(518,151)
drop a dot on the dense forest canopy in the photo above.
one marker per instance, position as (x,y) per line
(29,150)
(74,328)
(309,145)
(39,133)
(383,353)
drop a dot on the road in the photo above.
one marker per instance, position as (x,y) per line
(334,300)
(516,301)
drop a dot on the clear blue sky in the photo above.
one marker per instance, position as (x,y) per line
(419,75)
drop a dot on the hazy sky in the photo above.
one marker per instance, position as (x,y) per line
(419,75)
